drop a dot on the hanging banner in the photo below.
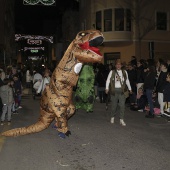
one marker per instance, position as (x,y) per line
(40,2)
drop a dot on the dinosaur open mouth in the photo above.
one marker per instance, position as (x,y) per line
(96,41)
(92,45)
(86,46)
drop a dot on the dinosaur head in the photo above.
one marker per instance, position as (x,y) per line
(86,46)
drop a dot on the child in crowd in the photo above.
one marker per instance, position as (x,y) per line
(14,105)
(18,91)
(6,95)
(141,101)
(166,94)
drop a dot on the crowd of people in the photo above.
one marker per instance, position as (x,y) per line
(146,80)
(12,81)
(143,85)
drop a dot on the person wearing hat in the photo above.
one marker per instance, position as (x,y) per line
(118,84)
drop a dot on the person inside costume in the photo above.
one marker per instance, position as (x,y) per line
(85,94)
(56,100)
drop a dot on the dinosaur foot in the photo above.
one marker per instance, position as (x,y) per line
(63,135)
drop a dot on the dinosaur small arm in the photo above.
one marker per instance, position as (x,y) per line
(56,101)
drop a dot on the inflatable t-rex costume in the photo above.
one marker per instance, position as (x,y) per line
(56,101)
(85,95)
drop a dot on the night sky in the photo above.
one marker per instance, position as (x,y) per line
(29,19)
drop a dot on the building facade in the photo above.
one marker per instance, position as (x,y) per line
(7,32)
(131,28)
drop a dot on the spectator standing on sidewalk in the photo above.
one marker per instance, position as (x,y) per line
(161,82)
(2,74)
(45,81)
(18,91)
(28,78)
(140,75)
(149,84)
(1,80)
(7,100)
(132,75)
(37,76)
(101,81)
(15,103)
(118,80)
(133,61)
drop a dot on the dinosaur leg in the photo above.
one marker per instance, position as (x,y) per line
(60,122)
(59,107)
(70,110)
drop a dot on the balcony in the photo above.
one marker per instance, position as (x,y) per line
(113,36)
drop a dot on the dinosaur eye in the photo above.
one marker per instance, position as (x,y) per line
(83,34)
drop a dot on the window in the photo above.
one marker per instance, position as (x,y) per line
(119,19)
(110,58)
(122,19)
(108,20)
(99,20)
(161,20)
(128,20)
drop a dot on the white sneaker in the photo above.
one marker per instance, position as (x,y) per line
(122,122)
(112,120)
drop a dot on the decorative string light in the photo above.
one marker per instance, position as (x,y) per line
(19,37)
(39,2)
(34,42)
(34,48)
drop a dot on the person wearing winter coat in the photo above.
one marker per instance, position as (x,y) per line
(161,82)
(149,84)
(18,91)
(6,95)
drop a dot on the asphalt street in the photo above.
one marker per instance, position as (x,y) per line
(95,143)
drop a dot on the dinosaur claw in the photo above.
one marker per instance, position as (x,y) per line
(68,133)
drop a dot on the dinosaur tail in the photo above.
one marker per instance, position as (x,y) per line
(44,121)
